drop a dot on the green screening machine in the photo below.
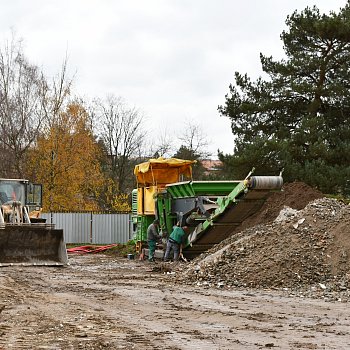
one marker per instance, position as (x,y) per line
(211,209)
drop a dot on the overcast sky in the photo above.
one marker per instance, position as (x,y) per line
(172,59)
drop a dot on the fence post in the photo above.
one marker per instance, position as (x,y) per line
(91,224)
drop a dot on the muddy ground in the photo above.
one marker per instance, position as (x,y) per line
(282,282)
(106,302)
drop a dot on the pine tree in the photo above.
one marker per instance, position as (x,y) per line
(299,118)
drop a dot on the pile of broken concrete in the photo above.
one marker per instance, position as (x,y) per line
(301,252)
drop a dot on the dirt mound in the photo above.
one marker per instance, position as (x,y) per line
(295,195)
(304,250)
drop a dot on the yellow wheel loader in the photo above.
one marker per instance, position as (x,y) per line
(25,238)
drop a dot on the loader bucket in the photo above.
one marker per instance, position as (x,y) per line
(37,244)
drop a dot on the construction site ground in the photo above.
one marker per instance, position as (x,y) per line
(280,281)
(105,302)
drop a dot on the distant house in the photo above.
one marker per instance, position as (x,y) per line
(211,166)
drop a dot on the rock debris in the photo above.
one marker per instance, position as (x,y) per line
(301,250)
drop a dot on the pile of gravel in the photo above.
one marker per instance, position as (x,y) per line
(303,252)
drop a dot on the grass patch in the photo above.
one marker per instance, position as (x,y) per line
(121,249)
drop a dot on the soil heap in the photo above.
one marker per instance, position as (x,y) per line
(295,248)
(295,195)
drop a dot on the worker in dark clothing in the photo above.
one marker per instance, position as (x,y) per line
(152,238)
(175,242)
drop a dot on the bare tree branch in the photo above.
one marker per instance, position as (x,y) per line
(194,139)
(121,130)
(21,109)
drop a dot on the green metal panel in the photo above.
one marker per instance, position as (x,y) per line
(134,206)
(166,219)
(143,221)
(224,203)
(201,188)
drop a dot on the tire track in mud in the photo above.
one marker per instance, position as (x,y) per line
(106,303)
(71,304)
(81,294)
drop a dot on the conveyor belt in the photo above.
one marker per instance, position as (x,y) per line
(237,207)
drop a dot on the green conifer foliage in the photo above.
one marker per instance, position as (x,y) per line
(298,118)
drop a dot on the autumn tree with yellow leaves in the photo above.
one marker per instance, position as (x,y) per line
(48,139)
(65,161)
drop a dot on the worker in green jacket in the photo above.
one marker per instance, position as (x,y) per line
(175,242)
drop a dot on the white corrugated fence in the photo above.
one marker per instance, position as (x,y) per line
(91,227)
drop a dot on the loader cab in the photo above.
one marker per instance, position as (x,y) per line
(34,194)
(12,190)
(22,191)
